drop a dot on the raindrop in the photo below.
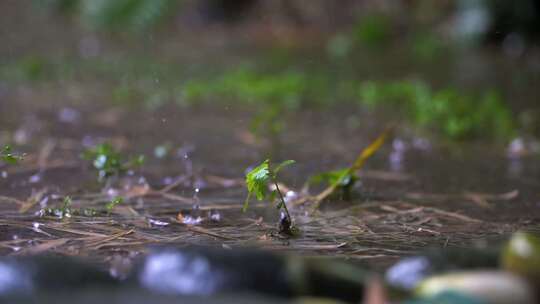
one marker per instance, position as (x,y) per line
(214,215)
(88,141)
(396,160)
(21,137)
(43,202)
(191,220)
(196,201)
(399,145)
(157,223)
(36,178)
(290,196)
(68,115)
(516,148)
(421,144)
(167,180)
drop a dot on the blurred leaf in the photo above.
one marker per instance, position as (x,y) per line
(282,165)
(7,156)
(341,175)
(110,162)
(373,30)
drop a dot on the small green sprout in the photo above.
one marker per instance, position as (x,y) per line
(64,211)
(342,178)
(257,181)
(7,156)
(110,162)
(113,203)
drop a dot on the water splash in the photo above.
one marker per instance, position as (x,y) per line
(189,219)
(157,223)
(214,215)
(34,179)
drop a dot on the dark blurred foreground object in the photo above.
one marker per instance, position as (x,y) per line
(510,275)
(191,272)
(521,256)
(518,17)
(204,271)
(25,275)
(217,275)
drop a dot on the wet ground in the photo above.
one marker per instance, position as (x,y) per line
(414,194)
(419,191)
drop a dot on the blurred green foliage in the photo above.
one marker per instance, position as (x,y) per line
(113,203)
(244,85)
(426,45)
(132,15)
(373,31)
(109,162)
(456,114)
(28,68)
(274,93)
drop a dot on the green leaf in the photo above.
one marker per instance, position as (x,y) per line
(272,195)
(340,177)
(256,182)
(109,162)
(7,156)
(257,178)
(283,165)
(137,161)
(113,203)
(66,204)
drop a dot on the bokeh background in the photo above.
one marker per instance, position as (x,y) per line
(238,80)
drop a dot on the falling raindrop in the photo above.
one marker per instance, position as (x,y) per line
(68,115)
(196,201)
(36,178)
(290,196)
(516,148)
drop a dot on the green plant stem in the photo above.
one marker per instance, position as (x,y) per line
(284,206)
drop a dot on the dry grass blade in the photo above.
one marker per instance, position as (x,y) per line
(46,246)
(32,200)
(11,200)
(208,232)
(108,239)
(454,215)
